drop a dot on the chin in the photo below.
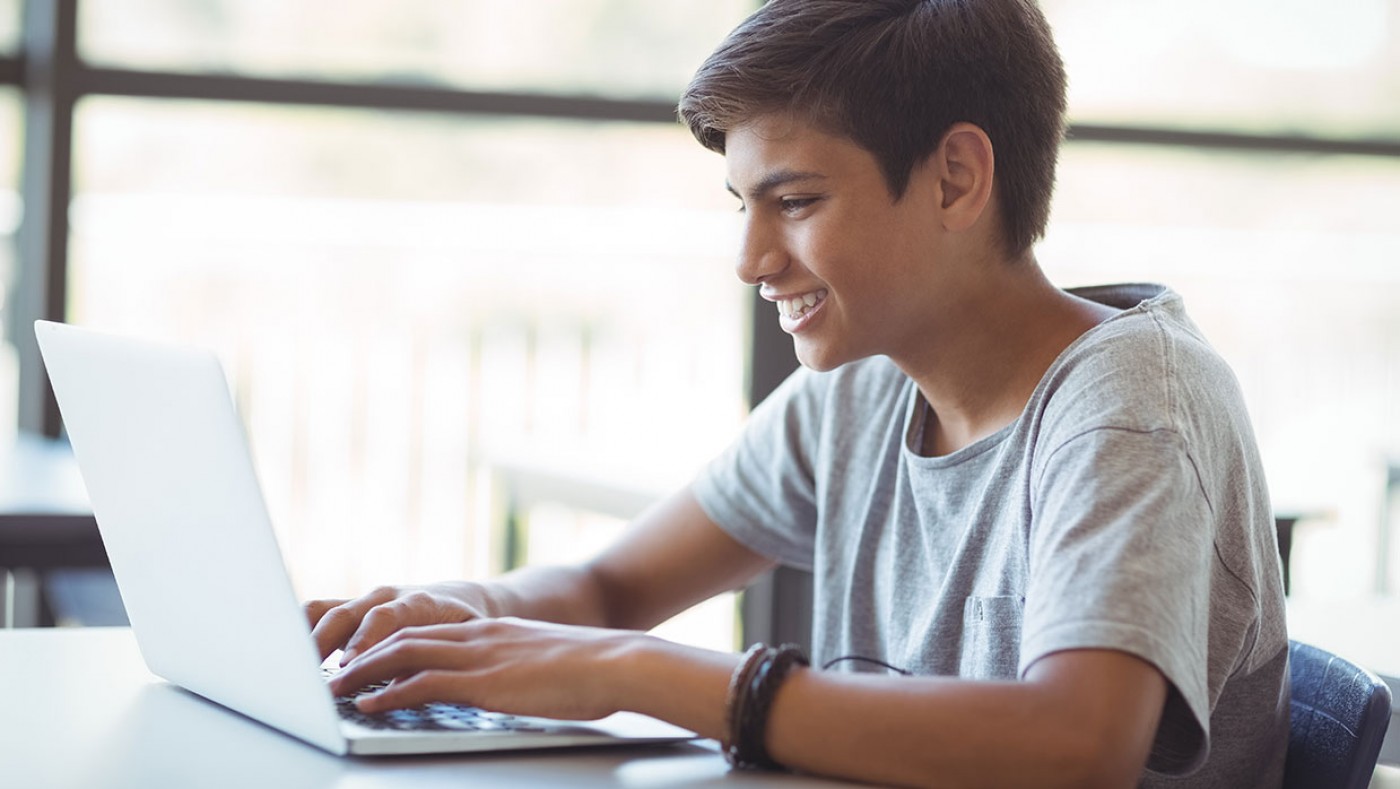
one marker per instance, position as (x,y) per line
(819,360)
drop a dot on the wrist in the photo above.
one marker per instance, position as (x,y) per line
(474,597)
(681,684)
(752,690)
(486,597)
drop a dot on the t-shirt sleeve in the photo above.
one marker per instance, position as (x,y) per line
(762,489)
(1120,558)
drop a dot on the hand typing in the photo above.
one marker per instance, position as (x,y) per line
(358,625)
(507,665)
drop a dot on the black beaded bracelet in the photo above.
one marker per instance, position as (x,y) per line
(757,681)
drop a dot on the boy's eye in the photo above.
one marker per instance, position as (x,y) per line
(794,204)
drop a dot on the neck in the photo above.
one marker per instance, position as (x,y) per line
(981,362)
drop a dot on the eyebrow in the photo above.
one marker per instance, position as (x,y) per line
(774,180)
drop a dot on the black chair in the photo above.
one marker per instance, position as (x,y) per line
(1338,718)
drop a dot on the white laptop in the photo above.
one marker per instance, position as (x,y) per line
(172,485)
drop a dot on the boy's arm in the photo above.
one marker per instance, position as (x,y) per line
(671,557)
(1081,718)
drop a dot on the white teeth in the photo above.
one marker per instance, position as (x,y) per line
(798,306)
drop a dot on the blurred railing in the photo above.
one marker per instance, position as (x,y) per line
(379,380)
(551,511)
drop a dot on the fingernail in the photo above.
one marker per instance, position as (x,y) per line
(347,656)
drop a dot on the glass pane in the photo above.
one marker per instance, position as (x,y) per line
(414,309)
(1288,265)
(612,47)
(11,135)
(9,26)
(1278,66)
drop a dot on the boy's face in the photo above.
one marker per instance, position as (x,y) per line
(852,272)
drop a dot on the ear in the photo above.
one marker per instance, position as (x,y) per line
(964,164)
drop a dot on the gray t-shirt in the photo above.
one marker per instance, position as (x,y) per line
(1125,509)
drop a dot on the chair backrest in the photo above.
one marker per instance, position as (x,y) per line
(1339,714)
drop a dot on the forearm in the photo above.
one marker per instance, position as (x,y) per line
(687,686)
(927,732)
(841,726)
(671,558)
(922,731)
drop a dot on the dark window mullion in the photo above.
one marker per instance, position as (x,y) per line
(1233,141)
(11,70)
(49,62)
(380,96)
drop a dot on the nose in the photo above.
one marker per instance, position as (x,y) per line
(761,253)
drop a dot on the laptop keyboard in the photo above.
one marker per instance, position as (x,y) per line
(430,717)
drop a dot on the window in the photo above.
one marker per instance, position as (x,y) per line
(11,137)
(9,26)
(626,48)
(412,306)
(11,134)
(408,302)
(1287,67)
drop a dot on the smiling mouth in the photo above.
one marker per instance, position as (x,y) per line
(798,306)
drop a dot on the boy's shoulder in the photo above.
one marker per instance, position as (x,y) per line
(1147,368)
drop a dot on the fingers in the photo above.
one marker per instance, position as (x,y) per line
(424,687)
(335,621)
(505,665)
(385,619)
(408,653)
(316,609)
(322,632)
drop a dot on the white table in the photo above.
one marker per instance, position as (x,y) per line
(81,710)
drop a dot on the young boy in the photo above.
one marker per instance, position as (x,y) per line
(1041,538)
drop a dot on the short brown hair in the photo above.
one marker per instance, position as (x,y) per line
(893,76)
